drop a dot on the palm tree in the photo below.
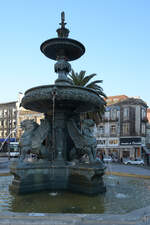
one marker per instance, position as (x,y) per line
(80,79)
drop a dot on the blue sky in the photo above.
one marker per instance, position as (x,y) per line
(115,33)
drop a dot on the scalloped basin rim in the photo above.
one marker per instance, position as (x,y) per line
(65,86)
(62,40)
(68,98)
(73,49)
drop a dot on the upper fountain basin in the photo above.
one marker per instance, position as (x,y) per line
(74,98)
(62,47)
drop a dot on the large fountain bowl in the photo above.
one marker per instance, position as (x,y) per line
(74,98)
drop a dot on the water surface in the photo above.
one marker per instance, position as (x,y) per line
(123,195)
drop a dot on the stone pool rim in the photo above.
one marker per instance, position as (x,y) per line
(138,217)
(121,174)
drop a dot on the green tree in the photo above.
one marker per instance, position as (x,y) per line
(83,80)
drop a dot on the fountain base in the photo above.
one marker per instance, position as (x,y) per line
(45,175)
(87,179)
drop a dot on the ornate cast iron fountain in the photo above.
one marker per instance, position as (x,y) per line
(59,142)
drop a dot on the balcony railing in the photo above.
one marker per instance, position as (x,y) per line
(144,119)
(105,119)
(107,135)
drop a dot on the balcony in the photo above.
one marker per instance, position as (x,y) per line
(144,119)
(105,119)
(99,135)
(113,135)
(127,119)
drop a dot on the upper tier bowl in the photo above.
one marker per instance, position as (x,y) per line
(62,47)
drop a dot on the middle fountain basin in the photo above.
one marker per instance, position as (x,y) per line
(73,98)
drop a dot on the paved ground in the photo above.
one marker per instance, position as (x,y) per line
(138,217)
(114,168)
(128,170)
(4,165)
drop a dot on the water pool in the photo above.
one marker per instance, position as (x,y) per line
(123,195)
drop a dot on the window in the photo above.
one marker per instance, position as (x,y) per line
(14,122)
(5,123)
(143,128)
(113,142)
(5,134)
(107,115)
(112,129)
(143,113)
(1,113)
(126,129)
(126,113)
(101,142)
(100,130)
(113,114)
(14,111)
(118,114)
(5,112)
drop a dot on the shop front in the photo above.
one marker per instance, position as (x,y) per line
(108,146)
(130,147)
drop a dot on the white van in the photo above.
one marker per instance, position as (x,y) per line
(13,149)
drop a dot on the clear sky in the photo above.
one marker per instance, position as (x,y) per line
(116,34)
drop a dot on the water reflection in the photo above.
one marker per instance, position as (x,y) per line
(63,202)
(123,195)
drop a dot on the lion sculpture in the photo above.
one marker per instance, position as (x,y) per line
(33,138)
(84,141)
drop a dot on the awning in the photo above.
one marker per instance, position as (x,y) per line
(7,139)
(147,151)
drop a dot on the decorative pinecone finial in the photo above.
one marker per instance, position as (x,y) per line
(62,32)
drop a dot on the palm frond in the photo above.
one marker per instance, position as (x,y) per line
(94,83)
(81,74)
(87,79)
(80,79)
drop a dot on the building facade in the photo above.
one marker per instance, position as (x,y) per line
(24,114)
(122,131)
(11,115)
(8,121)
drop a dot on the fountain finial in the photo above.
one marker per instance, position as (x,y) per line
(62,32)
(63,20)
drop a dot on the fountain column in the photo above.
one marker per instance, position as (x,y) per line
(60,139)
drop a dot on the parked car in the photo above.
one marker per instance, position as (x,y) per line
(134,162)
(107,159)
(13,154)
